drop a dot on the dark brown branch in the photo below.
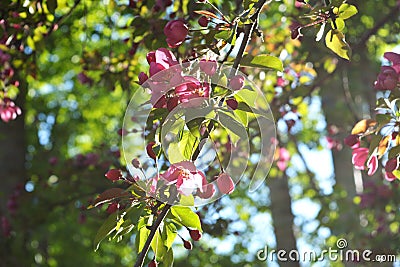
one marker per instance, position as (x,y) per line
(248,30)
(154,228)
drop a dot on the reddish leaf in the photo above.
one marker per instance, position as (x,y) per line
(109,195)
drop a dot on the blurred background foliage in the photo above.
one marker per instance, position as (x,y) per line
(78,68)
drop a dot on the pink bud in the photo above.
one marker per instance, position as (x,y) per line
(151,57)
(195,235)
(352,140)
(203,21)
(112,207)
(142,78)
(136,163)
(149,150)
(232,103)
(209,67)
(225,183)
(153,263)
(392,164)
(176,32)
(187,244)
(237,82)
(114,175)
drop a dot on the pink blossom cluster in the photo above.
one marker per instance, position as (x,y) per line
(8,110)
(172,88)
(389,77)
(360,155)
(188,180)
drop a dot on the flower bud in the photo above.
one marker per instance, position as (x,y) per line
(142,78)
(232,103)
(150,152)
(203,21)
(187,244)
(195,235)
(153,263)
(236,83)
(176,32)
(114,175)
(136,163)
(225,183)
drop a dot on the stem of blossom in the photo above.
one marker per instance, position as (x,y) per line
(154,228)
(248,30)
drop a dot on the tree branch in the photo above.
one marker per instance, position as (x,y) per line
(248,30)
(154,228)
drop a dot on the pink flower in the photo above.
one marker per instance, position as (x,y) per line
(393,57)
(225,183)
(389,76)
(387,79)
(8,110)
(186,177)
(372,164)
(176,32)
(284,157)
(359,157)
(191,88)
(160,59)
(209,67)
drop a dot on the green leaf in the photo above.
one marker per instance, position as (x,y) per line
(187,200)
(232,124)
(182,150)
(143,234)
(187,144)
(224,35)
(262,61)
(106,229)
(170,233)
(157,244)
(346,11)
(394,151)
(339,24)
(169,258)
(335,41)
(186,217)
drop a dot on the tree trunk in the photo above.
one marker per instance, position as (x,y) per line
(13,149)
(282,217)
